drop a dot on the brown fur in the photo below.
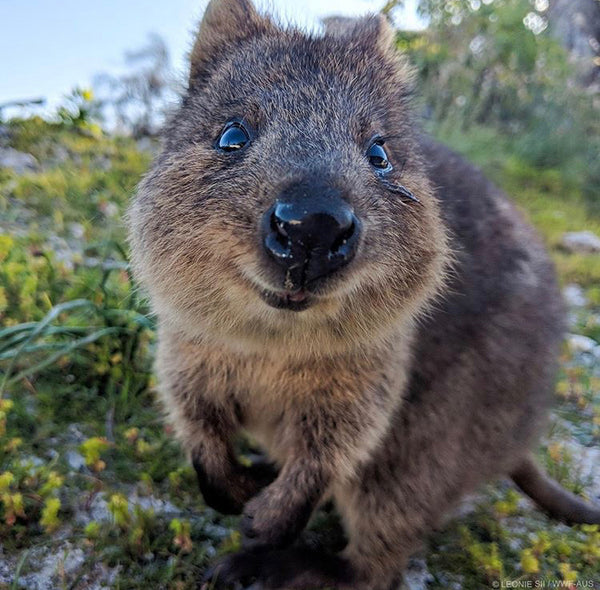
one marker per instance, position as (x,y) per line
(420,370)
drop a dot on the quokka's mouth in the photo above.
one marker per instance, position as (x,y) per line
(293,300)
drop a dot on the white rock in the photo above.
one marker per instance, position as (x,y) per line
(152,503)
(20,162)
(583,242)
(96,510)
(77,230)
(574,295)
(587,462)
(579,343)
(50,568)
(75,460)
(416,575)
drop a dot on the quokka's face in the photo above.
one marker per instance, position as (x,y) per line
(290,195)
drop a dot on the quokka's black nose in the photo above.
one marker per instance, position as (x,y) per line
(311,232)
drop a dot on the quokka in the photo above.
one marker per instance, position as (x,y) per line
(360,300)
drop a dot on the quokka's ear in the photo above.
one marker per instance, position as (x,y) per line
(225,23)
(374,30)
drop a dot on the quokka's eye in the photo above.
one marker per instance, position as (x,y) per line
(378,157)
(233,138)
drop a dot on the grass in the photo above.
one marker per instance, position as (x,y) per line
(85,461)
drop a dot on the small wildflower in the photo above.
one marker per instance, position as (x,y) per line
(6,245)
(555,452)
(568,575)
(563,548)
(541,544)
(529,562)
(94,129)
(232,543)
(49,518)
(91,449)
(592,546)
(119,508)
(509,505)
(563,389)
(143,447)
(6,405)
(132,434)
(13,507)
(176,479)
(146,483)
(182,530)
(136,536)
(13,444)
(53,482)
(87,94)
(92,530)
(6,480)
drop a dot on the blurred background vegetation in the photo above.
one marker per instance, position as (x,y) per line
(93,491)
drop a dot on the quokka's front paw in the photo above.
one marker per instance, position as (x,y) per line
(292,569)
(228,495)
(274,518)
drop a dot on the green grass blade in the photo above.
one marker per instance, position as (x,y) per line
(50,317)
(65,350)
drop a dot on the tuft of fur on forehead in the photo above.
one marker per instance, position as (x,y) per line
(314,103)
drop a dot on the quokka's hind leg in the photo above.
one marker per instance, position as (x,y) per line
(389,511)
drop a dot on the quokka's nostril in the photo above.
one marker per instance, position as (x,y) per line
(280,234)
(343,238)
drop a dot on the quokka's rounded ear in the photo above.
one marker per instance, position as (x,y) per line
(225,23)
(374,30)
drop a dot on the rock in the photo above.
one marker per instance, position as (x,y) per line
(75,460)
(61,567)
(581,242)
(416,575)
(6,569)
(77,230)
(109,209)
(579,343)
(19,162)
(152,503)
(96,510)
(74,434)
(587,461)
(574,296)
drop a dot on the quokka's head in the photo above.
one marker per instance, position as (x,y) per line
(290,207)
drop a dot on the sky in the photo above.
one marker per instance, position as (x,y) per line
(47,47)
